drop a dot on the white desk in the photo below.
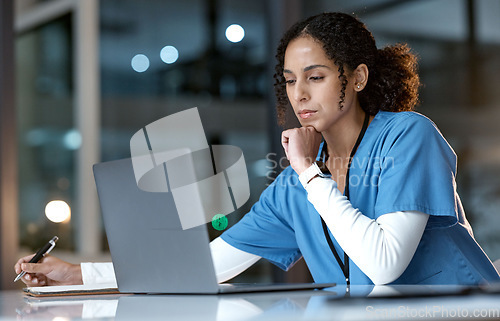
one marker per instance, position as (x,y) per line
(301,305)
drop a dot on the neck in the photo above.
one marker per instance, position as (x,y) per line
(342,137)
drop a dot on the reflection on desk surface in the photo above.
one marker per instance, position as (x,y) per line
(355,303)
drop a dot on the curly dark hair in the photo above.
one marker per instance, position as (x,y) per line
(393,80)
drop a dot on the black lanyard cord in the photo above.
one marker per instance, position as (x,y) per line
(344,266)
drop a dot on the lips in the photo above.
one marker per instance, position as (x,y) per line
(306,113)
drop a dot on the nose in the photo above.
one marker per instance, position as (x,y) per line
(300,92)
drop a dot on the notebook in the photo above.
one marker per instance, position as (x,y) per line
(151,252)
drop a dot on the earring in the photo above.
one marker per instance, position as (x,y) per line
(358,85)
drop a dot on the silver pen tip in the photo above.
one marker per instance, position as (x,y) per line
(20,275)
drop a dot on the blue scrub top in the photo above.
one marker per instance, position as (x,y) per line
(402,164)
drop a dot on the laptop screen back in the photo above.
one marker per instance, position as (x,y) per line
(150,250)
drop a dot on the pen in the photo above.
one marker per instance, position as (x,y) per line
(41,253)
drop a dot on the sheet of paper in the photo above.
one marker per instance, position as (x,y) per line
(85,289)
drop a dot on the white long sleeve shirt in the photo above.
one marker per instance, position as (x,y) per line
(381,248)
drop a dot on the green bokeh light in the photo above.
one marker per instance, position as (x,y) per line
(219,222)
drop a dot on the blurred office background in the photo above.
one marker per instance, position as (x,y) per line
(88,74)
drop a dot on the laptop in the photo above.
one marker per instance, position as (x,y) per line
(151,252)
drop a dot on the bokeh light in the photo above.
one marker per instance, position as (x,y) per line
(140,63)
(169,54)
(235,33)
(72,139)
(58,211)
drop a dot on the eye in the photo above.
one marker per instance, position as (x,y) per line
(290,81)
(316,78)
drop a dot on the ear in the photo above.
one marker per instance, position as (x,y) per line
(360,77)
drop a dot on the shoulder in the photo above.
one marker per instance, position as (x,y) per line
(406,120)
(406,131)
(407,126)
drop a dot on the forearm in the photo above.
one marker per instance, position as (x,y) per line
(381,248)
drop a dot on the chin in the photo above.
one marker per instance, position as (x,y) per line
(308,124)
(314,124)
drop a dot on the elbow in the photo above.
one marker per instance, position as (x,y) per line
(389,266)
(387,270)
(381,280)
(385,275)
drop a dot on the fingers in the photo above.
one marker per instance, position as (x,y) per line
(301,146)
(44,266)
(34,280)
(17,266)
(30,278)
(284,140)
(35,268)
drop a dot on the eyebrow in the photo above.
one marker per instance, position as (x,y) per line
(286,71)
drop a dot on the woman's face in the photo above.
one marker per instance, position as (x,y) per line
(313,85)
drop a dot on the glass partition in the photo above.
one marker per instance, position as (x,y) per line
(47,139)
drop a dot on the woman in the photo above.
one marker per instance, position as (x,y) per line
(369,196)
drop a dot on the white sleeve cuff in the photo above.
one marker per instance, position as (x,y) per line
(228,260)
(94,273)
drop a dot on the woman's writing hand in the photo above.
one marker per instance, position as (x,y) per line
(301,147)
(49,271)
